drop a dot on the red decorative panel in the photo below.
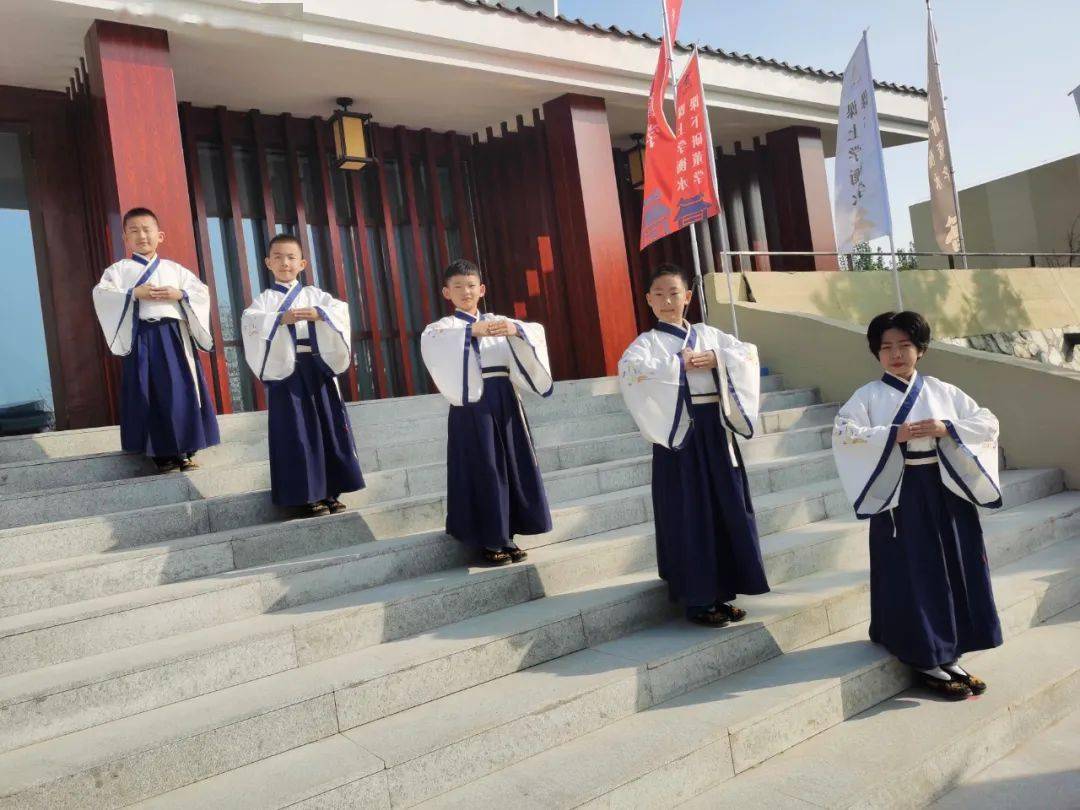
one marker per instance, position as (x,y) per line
(804,210)
(131,82)
(592,246)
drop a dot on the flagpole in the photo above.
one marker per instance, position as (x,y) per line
(945,123)
(698,281)
(724,259)
(896,272)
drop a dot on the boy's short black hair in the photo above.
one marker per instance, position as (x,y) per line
(285,237)
(911,323)
(460,267)
(669,269)
(138,212)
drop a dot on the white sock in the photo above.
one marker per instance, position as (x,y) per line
(954,669)
(937,672)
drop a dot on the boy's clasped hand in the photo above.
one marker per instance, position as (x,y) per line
(301,314)
(497,327)
(926,429)
(152,292)
(698,360)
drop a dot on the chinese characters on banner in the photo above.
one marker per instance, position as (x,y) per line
(861,205)
(659,181)
(695,172)
(943,213)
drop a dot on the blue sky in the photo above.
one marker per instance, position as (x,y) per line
(1006,69)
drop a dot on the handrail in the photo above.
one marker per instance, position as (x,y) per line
(1029,255)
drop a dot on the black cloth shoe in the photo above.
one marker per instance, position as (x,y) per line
(710,616)
(334,505)
(317,509)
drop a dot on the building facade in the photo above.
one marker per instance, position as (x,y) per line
(503,136)
(1036,209)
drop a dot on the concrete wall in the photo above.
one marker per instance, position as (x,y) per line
(1039,407)
(956,302)
(1028,211)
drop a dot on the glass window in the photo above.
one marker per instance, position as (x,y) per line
(226,269)
(22,340)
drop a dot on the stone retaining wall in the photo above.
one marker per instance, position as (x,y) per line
(1042,345)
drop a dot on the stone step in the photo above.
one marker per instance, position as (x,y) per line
(51,635)
(485,728)
(29,507)
(384,679)
(570,397)
(58,582)
(85,500)
(742,716)
(1041,772)
(909,749)
(118,530)
(376,450)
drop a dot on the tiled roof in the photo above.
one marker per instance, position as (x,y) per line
(614,30)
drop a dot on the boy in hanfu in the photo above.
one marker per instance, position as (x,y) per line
(297,340)
(916,455)
(155,314)
(691,390)
(479,362)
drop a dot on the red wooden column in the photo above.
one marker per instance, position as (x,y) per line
(802,199)
(140,156)
(138,128)
(589,225)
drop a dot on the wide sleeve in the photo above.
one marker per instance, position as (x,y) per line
(738,379)
(268,346)
(452,357)
(195,304)
(969,453)
(868,459)
(653,386)
(531,369)
(333,332)
(116,310)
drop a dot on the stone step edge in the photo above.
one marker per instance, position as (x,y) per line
(164,547)
(563,396)
(1021,594)
(1029,709)
(192,478)
(9,531)
(322,608)
(743,740)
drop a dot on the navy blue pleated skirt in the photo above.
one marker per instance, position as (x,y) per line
(706,536)
(312,452)
(930,594)
(160,414)
(493,490)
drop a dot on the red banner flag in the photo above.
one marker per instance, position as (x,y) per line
(659,181)
(672,12)
(695,168)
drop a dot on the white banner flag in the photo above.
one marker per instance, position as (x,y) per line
(943,214)
(861,207)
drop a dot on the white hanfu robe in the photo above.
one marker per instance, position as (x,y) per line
(871,462)
(312,448)
(270,347)
(494,487)
(707,545)
(166,411)
(658,389)
(119,311)
(931,596)
(455,359)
